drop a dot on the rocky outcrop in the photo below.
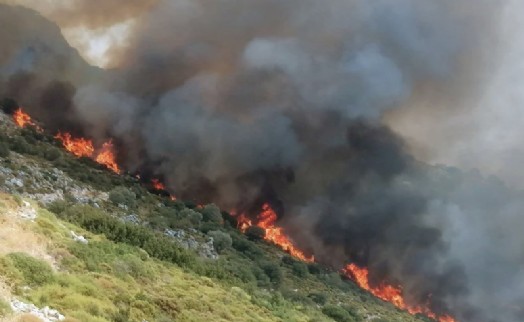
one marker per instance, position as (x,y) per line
(46,314)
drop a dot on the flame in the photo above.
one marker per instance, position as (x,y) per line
(389,293)
(23,119)
(157,185)
(80,147)
(266,219)
(106,156)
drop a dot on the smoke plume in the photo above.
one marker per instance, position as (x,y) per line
(299,103)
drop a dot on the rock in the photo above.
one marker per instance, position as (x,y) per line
(27,211)
(46,314)
(79,238)
(206,250)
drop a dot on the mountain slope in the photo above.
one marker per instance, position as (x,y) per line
(147,257)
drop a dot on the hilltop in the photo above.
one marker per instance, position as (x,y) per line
(97,246)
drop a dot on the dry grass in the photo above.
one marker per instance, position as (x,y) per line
(16,234)
(21,318)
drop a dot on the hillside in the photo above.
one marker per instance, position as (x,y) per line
(97,246)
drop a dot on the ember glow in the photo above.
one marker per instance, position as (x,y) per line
(158,185)
(266,219)
(389,293)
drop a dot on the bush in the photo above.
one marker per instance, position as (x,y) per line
(156,245)
(319,298)
(122,196)
(194,217)
(4,150)
(299,269)
(34,271)
(247,248)
(255,233)
(221,240)
(212,213)
(337,313)
(52,154)
(272,271)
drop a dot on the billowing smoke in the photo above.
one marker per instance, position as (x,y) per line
(241,102)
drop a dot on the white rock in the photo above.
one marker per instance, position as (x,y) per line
(79,238)
(46,314)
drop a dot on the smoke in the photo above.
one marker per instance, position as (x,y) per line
(294,102)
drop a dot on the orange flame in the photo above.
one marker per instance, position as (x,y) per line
(23,119)
(266,220)
(80,147)
(389,293)
(157,185)
(106,156)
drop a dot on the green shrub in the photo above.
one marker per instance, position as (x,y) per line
(299,269)
(155,244)
(4,150)
(52,154)
(221,240)
(337,313)
(255,233)
(272,271)
(246,247)
(211,213)
(194,217)
(34,271)
(319,298)
(122,196)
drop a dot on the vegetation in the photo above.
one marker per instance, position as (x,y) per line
(132,270)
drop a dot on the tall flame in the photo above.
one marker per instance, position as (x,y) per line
(106,156)
(266,219)
(389,293)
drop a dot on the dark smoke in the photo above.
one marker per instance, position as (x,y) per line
(283,101)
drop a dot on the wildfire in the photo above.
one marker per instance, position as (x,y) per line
(266,219)
(157,185)
(23,119)
(389,293)
(106,156)
(80,147)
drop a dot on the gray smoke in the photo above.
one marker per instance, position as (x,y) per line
(288,102)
